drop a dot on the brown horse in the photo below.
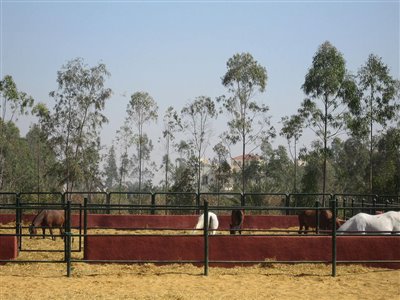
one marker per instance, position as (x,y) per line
(237,218)
(308,219)
(48,219)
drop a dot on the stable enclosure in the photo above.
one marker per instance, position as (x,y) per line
(163,234)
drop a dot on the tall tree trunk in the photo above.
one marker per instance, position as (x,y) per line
(166,166)
(325,148)
(243,161)
(295,166)
(370,140)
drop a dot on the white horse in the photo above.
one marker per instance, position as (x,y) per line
(389,221)
(212,222)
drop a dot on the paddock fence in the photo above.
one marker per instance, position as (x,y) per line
(80,207)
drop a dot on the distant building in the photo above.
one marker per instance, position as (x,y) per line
(236,162)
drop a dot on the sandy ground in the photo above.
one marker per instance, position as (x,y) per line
(147,281)
(48,281)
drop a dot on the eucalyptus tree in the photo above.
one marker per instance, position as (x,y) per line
(222,169)
(74,124)
(387,163)
(195,121)
(350,160)
(292,130)
(249,122)
(111,169)
(168,134)
(12,104)
(378,104)
(141,110)
(16,165)
(125,142)
(44,160)
(327,81)
(146,167)
(277,169)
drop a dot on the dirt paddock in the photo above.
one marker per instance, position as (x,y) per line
(146,281)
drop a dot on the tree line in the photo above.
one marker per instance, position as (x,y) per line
(63,152)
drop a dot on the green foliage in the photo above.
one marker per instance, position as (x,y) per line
(386,164)
(312,176)
(168,135)
(195,122)
(378,103)
(111,170)
(292,130)
(327,81)
(249,122)
(73,126)
(17,102)
(350,169)
(141,110)
(220,168)
(43,162)
(13,103)
(124,142)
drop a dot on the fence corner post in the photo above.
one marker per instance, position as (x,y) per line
(153,203)
(334,254)
(317,217)
(67,237)
(18,221)
(205,232)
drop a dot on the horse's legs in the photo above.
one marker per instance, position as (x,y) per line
(44,231)
(51,233)
(306,229)
(300,229)
(62,233)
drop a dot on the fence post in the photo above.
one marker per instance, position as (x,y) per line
(18,229)
(85,216)
(108,201)
(197,203)
(242,199)
(344,208)
(352,206)
(153,203)
(317,217)
(68,239)
(205,232)
(334,254)
(287,204)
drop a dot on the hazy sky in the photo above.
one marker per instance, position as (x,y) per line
(177,50)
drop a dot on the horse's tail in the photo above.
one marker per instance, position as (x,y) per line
(211,222)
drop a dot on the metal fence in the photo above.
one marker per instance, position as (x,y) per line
(82,204)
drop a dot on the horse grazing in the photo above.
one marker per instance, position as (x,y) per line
(237,218)
(388,222)
(308,219)
(212,222)
(50,219)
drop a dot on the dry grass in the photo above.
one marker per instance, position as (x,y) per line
(147,281)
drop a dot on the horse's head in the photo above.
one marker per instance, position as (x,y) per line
(32,230)
(233,229)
